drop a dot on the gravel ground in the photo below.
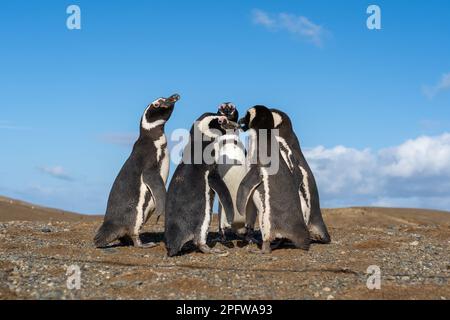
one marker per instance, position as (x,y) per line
(411,247)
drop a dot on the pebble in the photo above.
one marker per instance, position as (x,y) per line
(25,267)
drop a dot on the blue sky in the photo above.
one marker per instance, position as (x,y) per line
(371,107)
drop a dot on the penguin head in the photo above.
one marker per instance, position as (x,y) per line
(281,119)
(213,125)
(258,117)
(228,110)
(158,112)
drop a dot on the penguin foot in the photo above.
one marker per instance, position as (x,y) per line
(138,243)
(265,249)
(147,245)
(250,236)
(221,238)
(207,250)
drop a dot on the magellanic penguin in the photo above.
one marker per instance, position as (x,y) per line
(309,195)
(232,169)
(196,180)
(139,189)
(274,192)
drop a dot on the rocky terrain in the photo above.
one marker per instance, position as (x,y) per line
(411,248)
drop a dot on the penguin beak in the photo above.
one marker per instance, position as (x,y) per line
(170,102)
(242,124)
(230,125)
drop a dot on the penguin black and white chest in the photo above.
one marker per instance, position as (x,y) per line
(193,186)
(309,195)
(232,169)
(139,189)
(273,192)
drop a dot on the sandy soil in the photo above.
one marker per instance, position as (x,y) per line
(411,247)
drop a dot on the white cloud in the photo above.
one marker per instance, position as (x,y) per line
(413,174)
(422,156)
(297,25)
(262,18)
(442,85)
(56,172)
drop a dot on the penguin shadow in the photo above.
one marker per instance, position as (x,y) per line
(155,237)
(213,239)
(233,240)
(146,237)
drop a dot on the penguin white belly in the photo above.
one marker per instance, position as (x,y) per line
(140,210)
(305,201)
(261,199)
(286,153)
(162,155)
(207,217)
(233,177)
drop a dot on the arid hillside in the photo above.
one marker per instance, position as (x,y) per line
(410,246)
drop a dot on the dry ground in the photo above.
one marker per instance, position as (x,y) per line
(412,248)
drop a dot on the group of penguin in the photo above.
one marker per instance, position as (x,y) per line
(286,202)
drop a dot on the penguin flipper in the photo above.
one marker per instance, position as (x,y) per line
(220,188)
(155,184)
(250,182)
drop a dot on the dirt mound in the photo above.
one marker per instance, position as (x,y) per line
(11,209)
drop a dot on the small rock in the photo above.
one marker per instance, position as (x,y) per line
(326,289)
(46,230)
(414,243)
(330,297)
(316,294)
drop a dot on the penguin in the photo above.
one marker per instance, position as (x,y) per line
(309,195)
(232,169)
(274,192)
(196,180)
(139,189)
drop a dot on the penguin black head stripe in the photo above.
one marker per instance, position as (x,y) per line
(213,126)
(228,110)
(258,117)
(158,112)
